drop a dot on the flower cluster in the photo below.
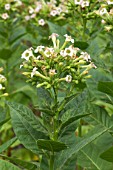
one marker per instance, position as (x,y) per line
(52,66)
(35,11)
(106,13)
(2,84)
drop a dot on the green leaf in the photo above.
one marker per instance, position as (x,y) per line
(7,144)
(91,153)
(80,44)
(4,121)
(5,165)
(51,145)
(5,53)
(75,148)
(108,155)
(44,98)
(71,120)
(21,163)
(106,87)
(26,126)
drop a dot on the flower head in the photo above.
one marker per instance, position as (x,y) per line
(69,38)
(27,54)
(68,78)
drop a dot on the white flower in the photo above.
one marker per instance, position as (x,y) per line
(85,56)
(1,86)
(93,65)
(103,21)
(27,17)
(21,66)
(53,35)
(68,78)
(102,11)
(53,13)
(68,51)
(52,72)
(33,15)
(68,38)
(38,49)
(27,54)
(78,2)
(5,16)
(84,4)
(2,78)
(31,10)
(38,8)
(41,22)
(33,72)
(49,51)
(7,6)
(109,2)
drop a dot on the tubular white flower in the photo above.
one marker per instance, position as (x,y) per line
(69,38)
(41,22)
(27,54)
(85,56)
(52,72)
(68,51)
(5,16)
(102,11)
(39,48)
(68,78)
(33,71)
(1,86)
(7,6)
(84,4)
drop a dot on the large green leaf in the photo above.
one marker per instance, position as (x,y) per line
(4,146)
(89,157)
(5,165)
(108,155)
(20,163)
(26,126)
(51,145)
(4,121)
(106,87)
(71,120)
(75,148)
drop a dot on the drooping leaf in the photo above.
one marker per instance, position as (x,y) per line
(106,87)
(90,156)
(75,148)
(72,119)
(20,163)
(51,145)
(108,155)
(4,121)
(5,165)
(26,126)
(4,146)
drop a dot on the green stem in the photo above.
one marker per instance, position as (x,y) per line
(80,135)
(84,28)
(51,165)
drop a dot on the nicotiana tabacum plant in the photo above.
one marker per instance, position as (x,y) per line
(59,72)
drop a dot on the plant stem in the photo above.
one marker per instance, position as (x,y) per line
(80,135)
(51,165)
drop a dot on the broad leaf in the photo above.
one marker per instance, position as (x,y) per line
(21,163)
(75,148)
(108,155)
(51,145)
(26,126)
(7,144)
(106,87)
(4,121)
(5,165)
(89,157)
